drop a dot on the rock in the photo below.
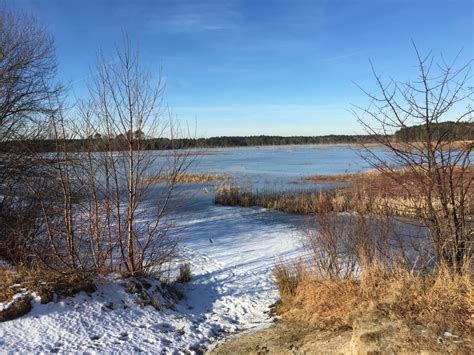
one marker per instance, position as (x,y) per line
(17,308)
(46,295)
(155,302)
(146,284)
(133,287)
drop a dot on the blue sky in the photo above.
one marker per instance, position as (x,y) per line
(258,66)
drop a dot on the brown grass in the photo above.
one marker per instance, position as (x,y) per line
(185,274)
(189,153)
(441,301)
(44,282)
(348,177)
(369,192)
(189,178)
(358,264)
(8,278)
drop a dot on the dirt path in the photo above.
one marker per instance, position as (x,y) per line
(287,338)
(371,333)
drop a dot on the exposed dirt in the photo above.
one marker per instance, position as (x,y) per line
(288,338)
(371,333)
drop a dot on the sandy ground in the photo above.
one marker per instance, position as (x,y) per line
(288,338)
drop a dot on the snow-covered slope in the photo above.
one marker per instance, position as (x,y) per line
(231,252)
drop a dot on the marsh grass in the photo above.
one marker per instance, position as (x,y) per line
(367,193)
(185,178)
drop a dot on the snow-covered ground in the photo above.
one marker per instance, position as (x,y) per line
(231,251)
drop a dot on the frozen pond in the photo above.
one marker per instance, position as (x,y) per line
(279,167)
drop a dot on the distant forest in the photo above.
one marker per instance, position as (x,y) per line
(100,143)
(446,130)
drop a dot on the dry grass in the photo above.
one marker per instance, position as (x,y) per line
(8,278)
(356,264)
(447,145)
(288,278)
(189,178)
(185,274)
(348,177)
(189,153)
(369,192)
(441,301)
(44,282)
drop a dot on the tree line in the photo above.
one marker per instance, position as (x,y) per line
(454,131)
(449,130)
(119,142)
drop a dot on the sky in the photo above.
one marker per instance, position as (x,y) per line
(251,67)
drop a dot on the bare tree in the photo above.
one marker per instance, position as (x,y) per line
(27,71)
(434,170)
(125,108)
(85,208)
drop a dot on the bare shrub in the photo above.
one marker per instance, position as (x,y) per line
(332,247)
(124,108)
(90,214)
(80,210)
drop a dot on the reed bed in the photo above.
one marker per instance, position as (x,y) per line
(189,178)
(366,193)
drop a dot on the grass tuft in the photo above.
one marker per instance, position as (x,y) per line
(185,274)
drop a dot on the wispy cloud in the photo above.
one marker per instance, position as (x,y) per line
(194,17)
(341,57)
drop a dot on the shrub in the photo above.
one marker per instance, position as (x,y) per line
(184,273)
(352,268)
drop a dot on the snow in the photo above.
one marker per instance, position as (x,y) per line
(231,290)
(231,251)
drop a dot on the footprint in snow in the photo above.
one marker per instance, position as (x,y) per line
(166,342)
(124,336)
